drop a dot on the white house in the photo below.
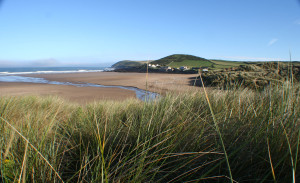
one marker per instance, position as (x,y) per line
(152,65)
(183,68)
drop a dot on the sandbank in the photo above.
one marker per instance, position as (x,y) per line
(155,82)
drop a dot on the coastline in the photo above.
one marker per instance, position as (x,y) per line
(157,82)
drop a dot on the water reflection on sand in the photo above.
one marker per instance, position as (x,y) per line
(140,94)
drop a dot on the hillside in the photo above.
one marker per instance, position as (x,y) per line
(178,60)
(128,64)
(220,64)
(216,67)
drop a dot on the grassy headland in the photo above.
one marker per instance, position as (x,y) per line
(176,61)
(128,64)
(171,140)
(189,64)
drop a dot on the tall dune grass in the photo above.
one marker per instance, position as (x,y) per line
(171,140)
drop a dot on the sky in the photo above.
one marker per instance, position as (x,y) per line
(101,32)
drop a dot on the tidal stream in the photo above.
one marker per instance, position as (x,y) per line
(140,94)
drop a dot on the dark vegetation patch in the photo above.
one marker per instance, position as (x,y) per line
(255,76)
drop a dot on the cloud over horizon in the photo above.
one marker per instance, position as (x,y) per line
(45,63)
(32,63)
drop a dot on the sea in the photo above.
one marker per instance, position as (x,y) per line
(17,75)
(49,70)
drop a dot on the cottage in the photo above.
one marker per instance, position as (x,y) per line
(152,65)
(183,68)
(170,69)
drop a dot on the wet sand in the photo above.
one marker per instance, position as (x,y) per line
(74,94)
(156,82)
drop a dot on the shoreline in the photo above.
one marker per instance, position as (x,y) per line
(157,82)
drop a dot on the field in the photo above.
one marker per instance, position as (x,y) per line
(178,60)
(190,64)
(220,64)
(229,135)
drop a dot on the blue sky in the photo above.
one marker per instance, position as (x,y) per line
(100,32)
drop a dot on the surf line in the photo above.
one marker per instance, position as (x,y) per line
(143,95)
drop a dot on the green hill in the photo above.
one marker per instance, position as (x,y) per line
(178,60)
(128,64)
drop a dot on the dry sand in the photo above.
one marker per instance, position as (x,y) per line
(156,82)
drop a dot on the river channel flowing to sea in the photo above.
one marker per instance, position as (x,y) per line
(140,94)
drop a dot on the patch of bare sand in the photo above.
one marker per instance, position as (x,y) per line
(74,94)
(157,82)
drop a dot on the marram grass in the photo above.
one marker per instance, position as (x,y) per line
(171,140)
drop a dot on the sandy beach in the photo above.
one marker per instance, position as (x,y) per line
(156,82)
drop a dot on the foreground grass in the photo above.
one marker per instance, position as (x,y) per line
(171,140)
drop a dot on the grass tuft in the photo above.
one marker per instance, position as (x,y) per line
(173,139)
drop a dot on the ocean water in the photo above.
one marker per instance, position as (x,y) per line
(13,75)
(49,70)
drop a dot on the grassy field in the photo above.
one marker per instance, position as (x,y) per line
(251,135)
(190,64)
(178,60)
(220,64)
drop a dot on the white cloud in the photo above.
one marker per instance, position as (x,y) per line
(272,41)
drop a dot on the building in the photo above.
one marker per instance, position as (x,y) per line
(183,68)
(153,65)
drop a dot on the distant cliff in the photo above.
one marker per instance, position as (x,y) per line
(126,64)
